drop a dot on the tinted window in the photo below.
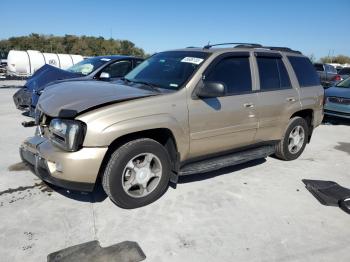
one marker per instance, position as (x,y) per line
(344,71)
(273,74)
(234,72)
(118,69)
(304,70)
(284,77)
(319,67)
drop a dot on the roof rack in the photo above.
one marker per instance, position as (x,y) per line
(253,45)
(281,48)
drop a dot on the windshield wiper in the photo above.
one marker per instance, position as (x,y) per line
(153,86)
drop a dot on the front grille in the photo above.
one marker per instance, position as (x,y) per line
(339,100)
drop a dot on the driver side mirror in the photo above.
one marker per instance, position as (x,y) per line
(105,76)
(211,89)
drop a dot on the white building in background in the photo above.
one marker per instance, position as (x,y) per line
(25,63)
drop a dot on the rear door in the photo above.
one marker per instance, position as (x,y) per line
(310,89)
(228,122)
(277,98)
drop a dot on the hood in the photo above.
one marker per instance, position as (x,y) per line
(47,74)
(338,92)
(68,99)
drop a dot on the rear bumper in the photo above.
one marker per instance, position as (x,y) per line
(22,99)
(70,170)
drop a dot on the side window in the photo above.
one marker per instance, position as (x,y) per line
(304,70)
(273,74)
(118,69)
(284,77)
(234,72)
(137,62)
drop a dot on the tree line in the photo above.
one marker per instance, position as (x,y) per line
(339,59)
(70,44)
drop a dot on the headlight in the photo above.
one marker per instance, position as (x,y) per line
(67,134)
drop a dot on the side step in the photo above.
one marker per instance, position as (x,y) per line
(219,162)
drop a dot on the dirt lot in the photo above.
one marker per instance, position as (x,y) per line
(259,211)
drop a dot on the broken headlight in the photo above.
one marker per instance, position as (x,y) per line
(67,134)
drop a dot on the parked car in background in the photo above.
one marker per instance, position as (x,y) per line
(327,73)
(337,99)
(344,73)
(104,68)
(180,112)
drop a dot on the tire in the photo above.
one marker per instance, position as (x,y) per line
(283,150)
(128,165)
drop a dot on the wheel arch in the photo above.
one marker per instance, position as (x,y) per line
(308,115)
(164,136)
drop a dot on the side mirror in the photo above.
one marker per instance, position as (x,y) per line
(105,76)
(211,89)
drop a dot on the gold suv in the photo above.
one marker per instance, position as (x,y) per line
(180,112)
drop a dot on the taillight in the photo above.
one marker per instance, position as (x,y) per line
(337,78)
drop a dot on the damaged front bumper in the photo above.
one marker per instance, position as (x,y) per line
(71,170)
(23,99)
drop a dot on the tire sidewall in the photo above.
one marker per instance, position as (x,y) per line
(295,122)
(117,193)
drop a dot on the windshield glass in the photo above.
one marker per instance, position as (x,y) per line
(345,83)
(86,66)
(168,70)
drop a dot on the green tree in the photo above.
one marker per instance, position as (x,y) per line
(71,44)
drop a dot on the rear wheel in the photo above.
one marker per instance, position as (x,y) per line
(137,173)
(294,140)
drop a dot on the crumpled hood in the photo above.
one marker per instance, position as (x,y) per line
(47,74)
(79,96)
(338,92)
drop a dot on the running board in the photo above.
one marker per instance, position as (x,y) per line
(232,159)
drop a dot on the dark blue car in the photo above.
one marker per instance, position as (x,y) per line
(106,68)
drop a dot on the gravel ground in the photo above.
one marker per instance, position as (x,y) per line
(258,211)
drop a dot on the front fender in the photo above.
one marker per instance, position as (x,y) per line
(138,124)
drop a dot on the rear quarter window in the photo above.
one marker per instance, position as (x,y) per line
(304,71)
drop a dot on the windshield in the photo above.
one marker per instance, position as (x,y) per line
(168,70)
(86,66)
(345,83)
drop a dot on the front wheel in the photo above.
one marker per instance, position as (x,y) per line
(137,173)
(294,140)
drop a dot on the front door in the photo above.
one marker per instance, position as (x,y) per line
(228,122)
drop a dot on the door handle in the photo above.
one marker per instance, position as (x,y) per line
(248,105)
(291,99)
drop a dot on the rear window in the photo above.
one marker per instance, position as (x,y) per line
(305,71)
(344,71)
(319,67)
(273,74)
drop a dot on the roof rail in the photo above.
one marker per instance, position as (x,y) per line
(281,48)
(251,45)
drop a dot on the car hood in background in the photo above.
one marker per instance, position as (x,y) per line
(68,99)
(338,92)
(47,74)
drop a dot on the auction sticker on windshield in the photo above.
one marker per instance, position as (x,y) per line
(105,59)
(192,60)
